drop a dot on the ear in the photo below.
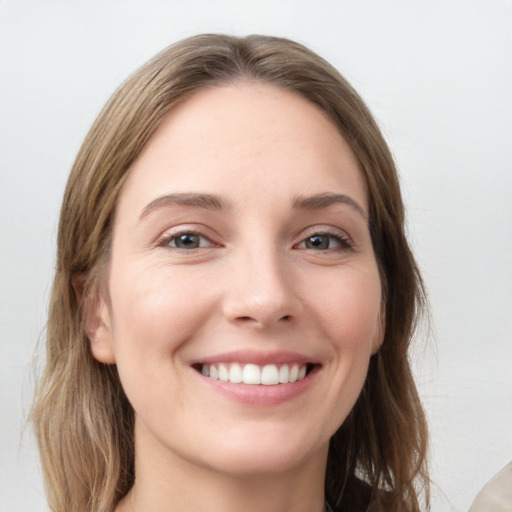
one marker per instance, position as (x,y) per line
(99,329)
(97,320)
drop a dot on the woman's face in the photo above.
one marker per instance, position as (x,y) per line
(241,253)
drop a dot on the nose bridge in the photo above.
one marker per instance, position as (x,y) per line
(261,289)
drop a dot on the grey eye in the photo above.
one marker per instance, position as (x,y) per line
(323,241)
(318,242)
(187,241)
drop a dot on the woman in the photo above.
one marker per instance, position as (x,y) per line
(234,297)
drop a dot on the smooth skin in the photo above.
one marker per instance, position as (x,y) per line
(224,242)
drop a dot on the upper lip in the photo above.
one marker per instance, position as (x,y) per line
(260,358)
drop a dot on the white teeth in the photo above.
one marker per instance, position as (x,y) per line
(294,372)
(251,374)
(235,373)
(223,373)
(284,374)
(268,375)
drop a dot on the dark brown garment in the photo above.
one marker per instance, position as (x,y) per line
(356,498)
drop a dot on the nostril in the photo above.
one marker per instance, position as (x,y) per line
(286,317)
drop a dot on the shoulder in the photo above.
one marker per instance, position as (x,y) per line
(496,494)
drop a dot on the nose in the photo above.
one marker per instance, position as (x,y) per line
(261,291)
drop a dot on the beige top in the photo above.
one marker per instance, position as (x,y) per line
(496,496)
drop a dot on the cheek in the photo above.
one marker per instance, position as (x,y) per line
(350,306)
(347,316)
(155,311)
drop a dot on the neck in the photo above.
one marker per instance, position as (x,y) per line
(166,482)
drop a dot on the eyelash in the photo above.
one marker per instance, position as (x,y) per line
(169,239)
(343,243)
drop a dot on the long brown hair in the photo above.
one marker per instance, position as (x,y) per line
(83,421)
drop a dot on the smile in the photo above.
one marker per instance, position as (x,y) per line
(253,374)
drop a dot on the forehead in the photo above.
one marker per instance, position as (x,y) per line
(240,139)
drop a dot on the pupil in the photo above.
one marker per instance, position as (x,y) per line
(187,241)
(318,242)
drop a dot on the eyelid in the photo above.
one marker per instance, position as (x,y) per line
(208,234)
(183,229)
(346,241)
(173,241)
(324,229)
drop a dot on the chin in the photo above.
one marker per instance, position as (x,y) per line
(263,454)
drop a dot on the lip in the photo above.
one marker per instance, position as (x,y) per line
(260,358)
(259,395)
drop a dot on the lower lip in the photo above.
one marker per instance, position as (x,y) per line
(260,394)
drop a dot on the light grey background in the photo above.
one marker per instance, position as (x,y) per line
(437,75)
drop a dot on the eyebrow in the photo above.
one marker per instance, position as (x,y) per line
(207,201)
(215,202)
(318,201)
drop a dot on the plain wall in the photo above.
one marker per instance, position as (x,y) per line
(438,77)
